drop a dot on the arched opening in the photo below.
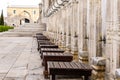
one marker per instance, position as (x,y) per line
(24,20)
(27,20)
(25,17)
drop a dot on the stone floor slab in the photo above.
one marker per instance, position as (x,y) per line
(20,60)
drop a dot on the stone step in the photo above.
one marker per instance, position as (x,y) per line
(27,30)
(19,34)
(31,25)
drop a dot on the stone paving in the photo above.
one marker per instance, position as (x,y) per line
(20,60)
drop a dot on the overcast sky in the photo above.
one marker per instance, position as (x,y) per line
(5,3)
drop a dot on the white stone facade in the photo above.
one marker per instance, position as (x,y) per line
(19,14)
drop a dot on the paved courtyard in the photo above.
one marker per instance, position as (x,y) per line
(20,60)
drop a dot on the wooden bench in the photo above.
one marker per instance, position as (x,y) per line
(41,38)
(50,50)
(66,57)
(47,46)
(69,68)
(41,42)
(39,34)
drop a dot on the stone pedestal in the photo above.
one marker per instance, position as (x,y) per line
(83,56)
(117,74)
(98,73)
(68,43)
(59,40)
(75,55)
(63,42)
(98,65)
(74,47)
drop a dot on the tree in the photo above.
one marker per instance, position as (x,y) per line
(2,18)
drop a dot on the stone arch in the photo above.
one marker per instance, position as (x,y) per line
(24,20)
(25,17)
(25,13)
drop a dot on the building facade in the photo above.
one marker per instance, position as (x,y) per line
(89,29)
(18,15)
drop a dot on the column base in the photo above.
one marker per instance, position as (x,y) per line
(62,47)
(98,65)
(59,45)
(98,72)
(117,74)
(83,56)
(67,50)
(110,76)
(75,55)
(83,59)
(97,75)
(98,68)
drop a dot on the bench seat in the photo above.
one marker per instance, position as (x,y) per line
(69,68)
(50,50)
(65,57)
(44,42)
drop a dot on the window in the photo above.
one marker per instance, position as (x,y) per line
(14,11)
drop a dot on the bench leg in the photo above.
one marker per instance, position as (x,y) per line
(86,78)
(45,74)
(52,77)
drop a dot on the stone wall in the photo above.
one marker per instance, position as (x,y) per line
(17,14)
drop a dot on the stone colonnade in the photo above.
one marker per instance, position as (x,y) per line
(88,28)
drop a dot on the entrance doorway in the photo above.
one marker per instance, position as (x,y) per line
(24,20)
(27,20)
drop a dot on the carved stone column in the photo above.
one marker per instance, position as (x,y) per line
(116,38)
(112,39)
(98,29)
(83,37)
(74,35)
(96,40)
(57,25)
(40,13)
(118,33)
(63,41)
(59,29)
(69,26)
(51,33)
(92,29)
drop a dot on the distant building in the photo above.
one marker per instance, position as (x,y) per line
(19,14)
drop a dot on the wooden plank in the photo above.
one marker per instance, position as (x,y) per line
(74,65)
(62,65)
(52,54)
(79,65)
(56,64)
(50,65)
(44,53)
(67,65)
(85,66)
(60,54)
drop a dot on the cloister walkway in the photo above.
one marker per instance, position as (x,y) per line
(19,58)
